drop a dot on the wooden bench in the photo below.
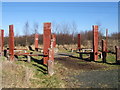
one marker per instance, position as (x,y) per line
(90,53)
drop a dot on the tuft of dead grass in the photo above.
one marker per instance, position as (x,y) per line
(15,76)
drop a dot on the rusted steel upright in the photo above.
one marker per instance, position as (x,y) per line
(11,43)
(51,50)
(117,49)
(36,42)
(51,57)
(95,42)
(104,51)
(54,40)
(52,46)
(46,41)
(2,34)
(79,42)
(0,42)
(106,39)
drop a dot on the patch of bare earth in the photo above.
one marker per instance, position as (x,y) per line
(77,64)
(78,73)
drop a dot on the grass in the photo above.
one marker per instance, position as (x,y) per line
(2,58)
(110,58)
(42,79)
(38,77)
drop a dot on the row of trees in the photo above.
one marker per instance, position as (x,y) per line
(66,34)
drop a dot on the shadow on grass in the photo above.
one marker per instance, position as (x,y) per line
(113,63)
(40,65)
(41,69)
(38,61)
(30,48)
(107,63)
(17,58)
(88,59)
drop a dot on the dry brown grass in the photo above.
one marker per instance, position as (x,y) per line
(15,76)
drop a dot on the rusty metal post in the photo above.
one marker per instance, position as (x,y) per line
(117,49)
(106,39)
(95,42)
(79,42)
(46,41)
(36,42)
(51,57)
(104,51)
(0,42)
(54,40)
(2,37)
(52,44)
(2,34)
(11,43)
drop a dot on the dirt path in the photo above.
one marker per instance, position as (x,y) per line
(77,64)
(98,79)
(84,74)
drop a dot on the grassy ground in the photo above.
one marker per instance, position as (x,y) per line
(22,74)
(70,72)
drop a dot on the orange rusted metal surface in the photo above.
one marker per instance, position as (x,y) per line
(0,42)
(2,34)
(18,53)
(51,49)
(11,42)
(95,42)
(79,41)
(51,57)
(46,41)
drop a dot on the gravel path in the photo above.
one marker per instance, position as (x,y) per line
(97,79)
(93,75)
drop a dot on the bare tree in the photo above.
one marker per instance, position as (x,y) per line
(65,28)
(73,29)
(55,28)
(36,26)
(26,32)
